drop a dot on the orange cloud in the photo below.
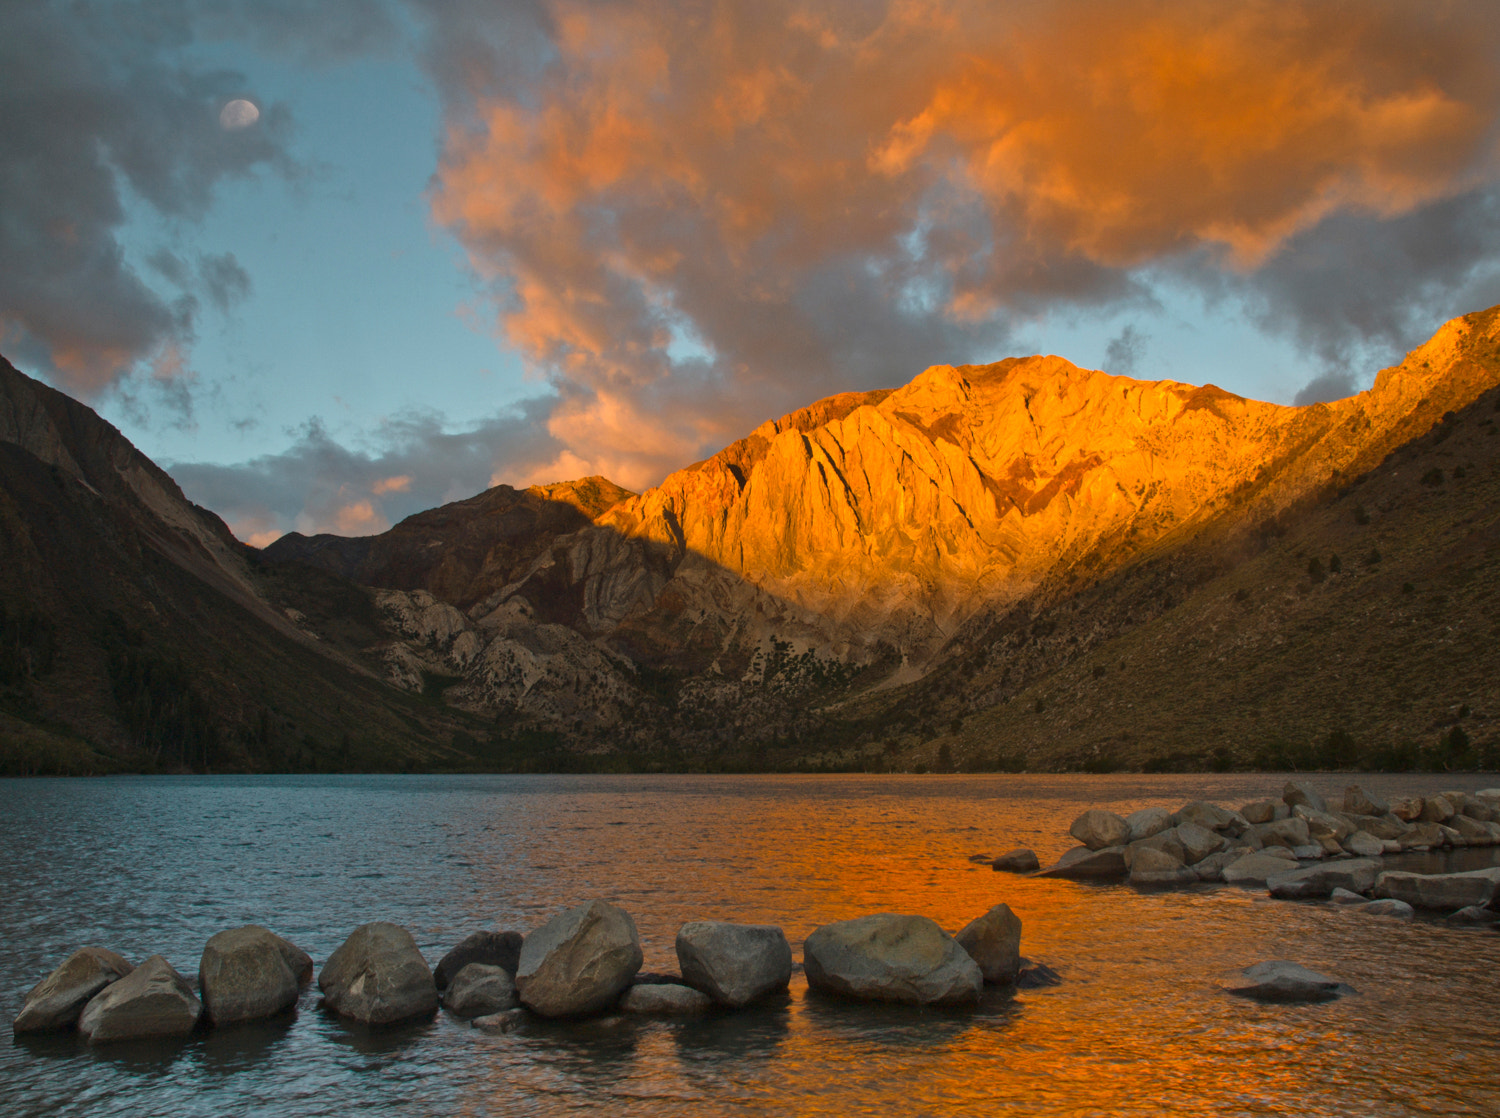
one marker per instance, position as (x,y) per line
(700,217)
(398,484)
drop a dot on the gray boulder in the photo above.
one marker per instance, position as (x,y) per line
(665,1000)
(889,957)
(1423,836)
(1389,906)
(1474,914)
(1197,842)
(1254,869)
(1098,830)
(1017,861)
(1359,802)
(378,977)
(994,942)
(1408,809)
(1357,875)
(151,1001)
(1341,896)
(1472,831)
(1147,822)
(493,949)
(1301,792)
(479,990)
(250,972)
(1260,811)
(734,963)
(1437,809)
(1281,982)
(1282,832)
(1478,809)
(1384,826)
(1362,844)
(1322,824)
(1211,817)
(1165,841)
(56,1001)
(1152,867)
(1212,868)
(579,962)
(1083,864)
(1450,891)
(1312,851)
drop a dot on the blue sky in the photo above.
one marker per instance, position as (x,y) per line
(469,243)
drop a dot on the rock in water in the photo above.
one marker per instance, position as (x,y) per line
(994,942)
(1301,792)
(1017,861)
(1099,829)
(1356,875)
(1083,864)
(493,949)
(734,963)
(579,962)
(56,1001)
(506,1021)
(1147,822)
(1362,844)
(1282,982)
(665,999)
(379,977)
(1440,890)
(479,990)
(1398,910)
(1149,866)
(1255,869)
(250,972)
(888,957)
(151,1001)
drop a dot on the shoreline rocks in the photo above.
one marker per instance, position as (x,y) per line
(890,957)
(378,977)
(57,1001)
(250,972)
(734,964)
(153,1000)
(579,962)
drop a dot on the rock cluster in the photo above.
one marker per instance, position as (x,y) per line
(1299,847)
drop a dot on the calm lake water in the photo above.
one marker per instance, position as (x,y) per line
(1138,1025)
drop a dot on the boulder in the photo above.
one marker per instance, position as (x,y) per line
(493,949)
(1322,824)
(1211,817)
(1384,826)
(1359,802)
(1254,869)
(1478,809)
(1165,841)
(1328,845)
(994,942)
(250,972)
(1450,836)
(1356,875)
(1282,832)
(1260,811)
(506,1021)
(1345,897)
(1151,867)
(1391,907)
(1437,809)
(1474,914)
(1472,831)
(1212,867)
(1281,982)
(888,957)
(151,1001)
(734,963)
(1362,844)
(1490,796)
(1301,792)
(1147,822)
(1017,861)
(1310,853)
(1098,830)
(1197,842)
(579,962)
(1423,836)
(1083,864)
(1450,891)
(480,990)
(665,1000)
(378,977)
(56,1001)
(1457,800)
(1408,809)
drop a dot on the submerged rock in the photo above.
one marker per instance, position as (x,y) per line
(1083,864)
(493,949)
(479,990)
(251,972)
(378,977)
(889,957)
(994,942)
(1281,982)
(506,1021)
(579,962)
(56,1001)
(665,999)
(151,1001)
(1017,861)
(734,963)
(1399,910)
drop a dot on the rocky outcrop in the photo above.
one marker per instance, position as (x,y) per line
(151,1001)
(994,942)
(494,949)
(378,977)
(479,990)
(579,962)
(888,957)
(57,1000)
(734,963)
(250,972)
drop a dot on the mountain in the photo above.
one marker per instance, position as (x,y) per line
(137,633)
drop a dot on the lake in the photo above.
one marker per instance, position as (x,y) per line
(1138,1026)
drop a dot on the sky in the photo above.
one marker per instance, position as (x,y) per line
(448,244)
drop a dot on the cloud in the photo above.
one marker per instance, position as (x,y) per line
(1123,353)
(97,103)
(413,462)
(1325,389)
(695,218)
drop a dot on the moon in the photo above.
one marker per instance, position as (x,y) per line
(238,114)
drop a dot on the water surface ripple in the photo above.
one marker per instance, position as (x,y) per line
(1139,1025)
